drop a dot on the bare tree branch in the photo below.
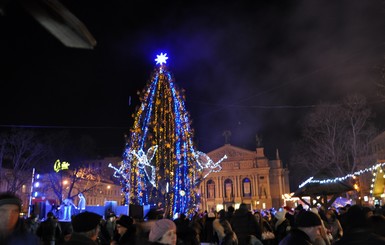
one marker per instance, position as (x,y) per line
(335,139)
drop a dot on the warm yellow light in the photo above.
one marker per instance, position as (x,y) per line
(65,182)
(108,187)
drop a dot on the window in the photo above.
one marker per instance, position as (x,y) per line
(246,187)
(210,189)
(228,188)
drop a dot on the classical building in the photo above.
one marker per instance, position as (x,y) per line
(246,177)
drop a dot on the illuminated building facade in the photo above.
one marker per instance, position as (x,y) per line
(246,177)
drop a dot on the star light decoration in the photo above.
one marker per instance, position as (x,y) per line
(161,59)
(205,162)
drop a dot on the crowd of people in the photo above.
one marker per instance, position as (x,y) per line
(287,226)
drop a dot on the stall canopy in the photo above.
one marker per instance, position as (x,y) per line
(323,194)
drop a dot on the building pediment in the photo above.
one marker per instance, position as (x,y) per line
(232,153)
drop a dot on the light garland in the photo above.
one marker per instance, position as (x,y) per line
(374,174)
(339,179)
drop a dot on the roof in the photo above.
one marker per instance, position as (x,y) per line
(330,188)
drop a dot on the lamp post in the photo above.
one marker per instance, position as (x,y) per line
(31,192)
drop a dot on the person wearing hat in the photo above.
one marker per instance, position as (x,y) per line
(85,229)
(49,230)
(111,225)
(12,227)
(163,231)
(126,231)
(308,225)
(245,225)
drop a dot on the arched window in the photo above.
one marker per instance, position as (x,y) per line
(210,189)
(246,187)
(228,188)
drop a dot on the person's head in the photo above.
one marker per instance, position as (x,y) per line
(310,223)
(230,209)
(10,207)
(87,223)
(258,215)
(299,208)
(50,215)
(267,215)
(367,211)
(330,215)
(33,217)
(182,216)
(221,214)
(243,206)
(111,217)
(123,224)
(163,231)
(377,224)
(355,218)
(280,214)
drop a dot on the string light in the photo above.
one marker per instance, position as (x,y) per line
(339,179)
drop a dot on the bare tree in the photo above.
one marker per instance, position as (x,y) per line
(381,85)
(68,183)
(335,139)
(20,151)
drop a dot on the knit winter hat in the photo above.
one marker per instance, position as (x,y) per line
(9,198)
(280,214)
(85,221)
(307,219)
(125,221)
(159,228)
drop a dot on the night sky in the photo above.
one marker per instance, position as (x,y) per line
(246,66)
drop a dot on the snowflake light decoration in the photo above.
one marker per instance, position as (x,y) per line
(161,58)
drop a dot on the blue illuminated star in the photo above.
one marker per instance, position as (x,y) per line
(161,59)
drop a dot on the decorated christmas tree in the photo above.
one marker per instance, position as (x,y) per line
(160,163)
(159,155)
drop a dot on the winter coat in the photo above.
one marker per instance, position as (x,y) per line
(296,237)
(20,236)
(80,239)
(49,230)
(244,224)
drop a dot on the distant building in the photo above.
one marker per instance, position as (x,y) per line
(246,177)
(372,185)
(378,147)
(104,188)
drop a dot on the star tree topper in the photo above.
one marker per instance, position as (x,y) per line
(161,58)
